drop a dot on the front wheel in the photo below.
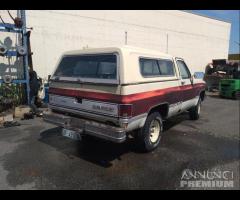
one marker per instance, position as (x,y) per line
(194,112)
(149,136)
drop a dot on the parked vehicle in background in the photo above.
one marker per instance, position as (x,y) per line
(230,88)
(216,71)
(111,93)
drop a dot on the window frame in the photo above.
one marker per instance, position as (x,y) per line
(156,59)
(188,71)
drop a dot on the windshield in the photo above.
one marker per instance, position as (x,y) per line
(88,66)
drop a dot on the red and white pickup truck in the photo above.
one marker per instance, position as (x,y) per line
(113,92)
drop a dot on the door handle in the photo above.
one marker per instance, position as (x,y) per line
(183,82)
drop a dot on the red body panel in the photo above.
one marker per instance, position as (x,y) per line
(142,102)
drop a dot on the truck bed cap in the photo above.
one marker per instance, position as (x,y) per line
(124,48)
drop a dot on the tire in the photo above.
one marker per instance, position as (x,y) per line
(146,140)
(194,112)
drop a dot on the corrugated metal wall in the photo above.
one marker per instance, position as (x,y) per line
(195,38)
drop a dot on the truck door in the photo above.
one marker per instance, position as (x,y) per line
(187,90)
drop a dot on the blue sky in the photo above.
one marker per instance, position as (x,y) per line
(232,16)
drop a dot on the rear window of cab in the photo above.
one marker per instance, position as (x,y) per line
(156,67)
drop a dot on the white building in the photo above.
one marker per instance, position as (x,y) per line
(195,38)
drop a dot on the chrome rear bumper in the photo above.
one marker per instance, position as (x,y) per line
(107,132)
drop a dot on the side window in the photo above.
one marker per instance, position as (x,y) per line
(156,67)
(149,67)
(166,67)
(184,71)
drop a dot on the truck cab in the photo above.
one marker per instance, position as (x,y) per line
(112,92)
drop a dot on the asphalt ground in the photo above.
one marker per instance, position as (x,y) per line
(36,156)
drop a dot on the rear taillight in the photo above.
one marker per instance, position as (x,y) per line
(125,110)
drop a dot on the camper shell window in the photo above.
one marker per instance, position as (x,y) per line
(88,66)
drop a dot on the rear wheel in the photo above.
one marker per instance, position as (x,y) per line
(194,112)
(148,138)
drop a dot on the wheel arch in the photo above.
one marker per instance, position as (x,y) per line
(162,108)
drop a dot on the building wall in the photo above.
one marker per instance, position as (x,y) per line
(195,38)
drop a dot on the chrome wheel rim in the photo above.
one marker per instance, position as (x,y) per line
(154,130)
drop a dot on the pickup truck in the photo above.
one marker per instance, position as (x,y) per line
(114,92)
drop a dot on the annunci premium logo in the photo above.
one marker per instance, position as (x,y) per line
(206,179)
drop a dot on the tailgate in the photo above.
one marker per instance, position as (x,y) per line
(97,99)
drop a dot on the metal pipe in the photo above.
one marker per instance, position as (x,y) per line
(25,58)
(2,19)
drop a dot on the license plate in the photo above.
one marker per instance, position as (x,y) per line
(71,134)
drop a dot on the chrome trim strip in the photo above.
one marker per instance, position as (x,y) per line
(97,117)
(84,110)
(145,82)
(84,105)
(80,82)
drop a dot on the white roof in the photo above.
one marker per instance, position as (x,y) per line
(125,48)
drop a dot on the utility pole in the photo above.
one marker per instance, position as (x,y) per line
(125,37)
(167,44)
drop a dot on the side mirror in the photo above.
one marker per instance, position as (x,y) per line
(195,75)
